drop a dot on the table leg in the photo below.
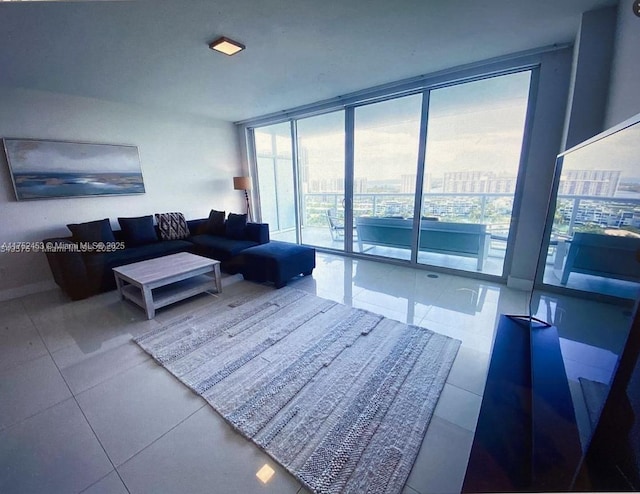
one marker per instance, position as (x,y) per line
(147,298)
(218,277)
(119,286)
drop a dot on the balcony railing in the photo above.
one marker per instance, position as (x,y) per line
(594,214)
(492,209)
(588,212)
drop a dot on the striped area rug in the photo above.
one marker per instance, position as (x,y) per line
(340,397)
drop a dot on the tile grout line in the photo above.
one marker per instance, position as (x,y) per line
(112,376)
(77,404)
(165,433)
(115,468)
(10,426)
(101,479)
(23,362)
(51,352)
(51,356)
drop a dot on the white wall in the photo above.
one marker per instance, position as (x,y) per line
(624,97)
(544,146)
(187,163)
(590,76)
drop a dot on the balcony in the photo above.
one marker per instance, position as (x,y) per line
(613,216)
(574,213)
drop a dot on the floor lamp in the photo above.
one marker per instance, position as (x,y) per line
(243,183)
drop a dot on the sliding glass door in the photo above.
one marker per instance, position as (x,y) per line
(386,142)
(274,165)
(427,178)
(321,177)
(474,142)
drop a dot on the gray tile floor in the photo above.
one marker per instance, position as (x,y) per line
(83,409)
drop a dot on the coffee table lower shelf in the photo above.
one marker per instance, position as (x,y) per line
(169,294)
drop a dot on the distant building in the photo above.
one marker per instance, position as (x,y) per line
(597,212)
(359,185)
(589,182)
(335,185)
(408,184)
(478,182)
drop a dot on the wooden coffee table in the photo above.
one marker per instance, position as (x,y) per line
(162,281)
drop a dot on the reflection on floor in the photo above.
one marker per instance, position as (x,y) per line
(321,237)
(595,284)
(592,336)
(82,409)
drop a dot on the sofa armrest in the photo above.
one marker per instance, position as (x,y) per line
(258,232)
(68,267)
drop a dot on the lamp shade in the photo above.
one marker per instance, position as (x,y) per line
(241,183)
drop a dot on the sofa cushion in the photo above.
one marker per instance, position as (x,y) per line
(258,232)
(149,251)
(92,231)
(138,231)
(235,226)
(172,226)
(99,265)
(220,248)
(215,225)
(197,227)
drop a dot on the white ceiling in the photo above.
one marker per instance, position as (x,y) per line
(154,52)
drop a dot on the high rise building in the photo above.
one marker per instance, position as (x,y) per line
(408,184)
(478,182)
(589,182)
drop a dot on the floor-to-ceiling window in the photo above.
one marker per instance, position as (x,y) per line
(386,139)
(427,177)
(322,179)
(474,141)
(274,166)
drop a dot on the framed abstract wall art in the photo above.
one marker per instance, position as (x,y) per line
(52,169)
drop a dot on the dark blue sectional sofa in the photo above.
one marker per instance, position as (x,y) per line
(83,269)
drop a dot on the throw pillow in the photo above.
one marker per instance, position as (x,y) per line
(92,231)
(138,231)
(235,226)
(215,225)
(172,226)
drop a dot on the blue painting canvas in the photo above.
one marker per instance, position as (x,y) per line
(49,169)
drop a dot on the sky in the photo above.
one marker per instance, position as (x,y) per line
(54,156)
(472,126)
(618,151)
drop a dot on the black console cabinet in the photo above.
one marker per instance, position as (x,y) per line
(527,438)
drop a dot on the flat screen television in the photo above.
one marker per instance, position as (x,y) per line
(594,221)
(528,437)
(612,458)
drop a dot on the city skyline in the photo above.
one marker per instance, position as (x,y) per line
(477,125)
(603,183)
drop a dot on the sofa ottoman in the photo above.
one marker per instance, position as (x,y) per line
(277,262)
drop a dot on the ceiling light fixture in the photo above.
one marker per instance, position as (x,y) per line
(226,46)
